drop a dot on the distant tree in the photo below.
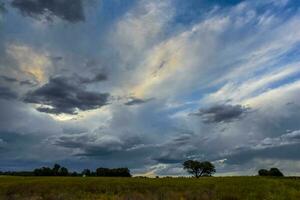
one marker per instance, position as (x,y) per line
(263,172)
(102,171)
(271,172)
(121,172)
(275,172)
(86,172)
(56,169)
(63,171)
(207,168)
(44,171)
(74,174)
(115,172)
(198,168)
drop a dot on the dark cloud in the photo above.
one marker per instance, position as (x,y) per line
(169,159)
(176,150)
(64,95)
(71,141)
(98,78)
(222,113)
(7,93)
(136,101)
(56,58)
(93,145)
(283,147)
(8,79)
(69,10)
(74,129)
(285,152)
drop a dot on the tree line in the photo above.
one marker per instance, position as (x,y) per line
(194,167)
(58,170)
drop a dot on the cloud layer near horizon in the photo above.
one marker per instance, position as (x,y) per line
(149,84)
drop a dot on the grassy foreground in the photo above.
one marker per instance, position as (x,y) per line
(220,188)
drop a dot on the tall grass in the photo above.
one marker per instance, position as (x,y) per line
(209,188)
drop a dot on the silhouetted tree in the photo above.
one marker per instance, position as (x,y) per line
(271,172)
(263,172)
(86,172)
(63,171)
(116,172)
(44,171)
(275,172)
(102,171)
(56,169)
(199,168)
(74,174)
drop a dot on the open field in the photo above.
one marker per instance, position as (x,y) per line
(226,188)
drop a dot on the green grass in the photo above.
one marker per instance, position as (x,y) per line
(209,188)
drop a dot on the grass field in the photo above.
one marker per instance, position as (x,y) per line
(222,188)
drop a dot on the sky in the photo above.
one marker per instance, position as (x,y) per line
(148,84)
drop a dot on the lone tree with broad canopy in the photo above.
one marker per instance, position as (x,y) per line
(198,168)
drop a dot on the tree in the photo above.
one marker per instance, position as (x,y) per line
(63,171)
(275,172)
(44,171)
(115,172)
(74,174)
(271,172)
(198,168)
(102,171)
(86,172)
(55,169)
(263,172)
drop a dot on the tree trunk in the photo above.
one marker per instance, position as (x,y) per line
(201,173)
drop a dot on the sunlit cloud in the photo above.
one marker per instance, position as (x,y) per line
(30,62)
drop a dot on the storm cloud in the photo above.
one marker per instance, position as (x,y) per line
(63,95)
(178,149)
(69,10)
(282,147)
(95,144)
